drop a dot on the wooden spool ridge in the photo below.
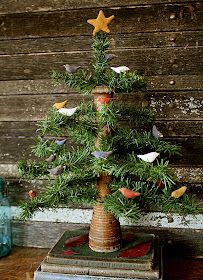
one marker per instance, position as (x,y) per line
(105,232)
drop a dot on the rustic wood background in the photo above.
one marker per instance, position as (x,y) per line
(160,39)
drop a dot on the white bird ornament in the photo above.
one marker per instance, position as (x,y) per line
(120,69)
(68,111)
(150,157)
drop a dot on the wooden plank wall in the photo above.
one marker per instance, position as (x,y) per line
(162,40)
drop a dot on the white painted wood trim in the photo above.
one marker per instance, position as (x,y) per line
(80,216)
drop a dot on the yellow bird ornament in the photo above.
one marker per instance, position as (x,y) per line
(179,192)
(60,105)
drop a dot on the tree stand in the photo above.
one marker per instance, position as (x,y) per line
(105,232)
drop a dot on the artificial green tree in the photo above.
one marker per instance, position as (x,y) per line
(103,143)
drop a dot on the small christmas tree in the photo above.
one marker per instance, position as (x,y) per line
(103,152)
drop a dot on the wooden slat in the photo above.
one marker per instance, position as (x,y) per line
(14,149)
(34,87)
(170,105)
(128,20)
(170,129)
(150,62)
(47,86)
(9,170)
(180,82)
(32,108)
(120,41)
(11,7)
(34,234)
(18,190)
(189,173)
(167,105)
(192,174)
(18,129)
(191,151)
(181,128)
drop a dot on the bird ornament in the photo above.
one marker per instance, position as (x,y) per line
(150,157)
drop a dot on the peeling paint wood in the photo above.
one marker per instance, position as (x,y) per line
(11,7)
(189,173)
(79,216)
(184,39)
(176,105)
(167,105)
(170,129)
(48,86)
(9,170)
(154,61)
(128,20)
(34,234)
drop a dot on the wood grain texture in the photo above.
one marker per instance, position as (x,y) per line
(170,129)
(11,7)
(128,20)
(48,86)
(167,105)
(18,129)
(119,41)
(187,173)
(21,263)
(17,190)
(148,62)
(16,148)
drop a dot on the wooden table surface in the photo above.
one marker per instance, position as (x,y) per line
(23,261)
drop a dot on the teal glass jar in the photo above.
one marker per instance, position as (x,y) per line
(5,221)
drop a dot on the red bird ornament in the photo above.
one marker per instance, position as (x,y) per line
(32,194)
(129,193)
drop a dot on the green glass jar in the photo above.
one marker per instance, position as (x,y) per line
(5,221)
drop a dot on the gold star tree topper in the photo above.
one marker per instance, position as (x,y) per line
(100,23)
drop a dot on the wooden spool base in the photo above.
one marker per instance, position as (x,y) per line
(105,233)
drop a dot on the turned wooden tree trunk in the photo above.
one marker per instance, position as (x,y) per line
(105,232)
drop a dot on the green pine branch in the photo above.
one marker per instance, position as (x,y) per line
(130,139)
(86,81)
(122,207)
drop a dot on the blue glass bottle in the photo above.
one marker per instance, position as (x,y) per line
(5,221)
